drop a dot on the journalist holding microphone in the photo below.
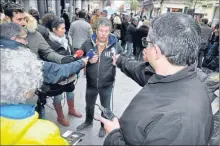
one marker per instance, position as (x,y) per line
(173,107)
(100,72)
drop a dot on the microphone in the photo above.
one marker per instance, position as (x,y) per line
(90,54)
(78,54)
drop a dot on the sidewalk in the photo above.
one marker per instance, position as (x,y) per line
(125,89)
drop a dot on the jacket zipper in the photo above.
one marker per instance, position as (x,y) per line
(99,65)
(98,71)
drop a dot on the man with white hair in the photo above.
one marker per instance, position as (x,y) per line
(173,107)
(12,35)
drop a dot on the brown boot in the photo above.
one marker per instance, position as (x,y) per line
(60,116)
(72,110)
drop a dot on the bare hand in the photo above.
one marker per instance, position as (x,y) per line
(110,125)
(85,60)
(115,58)
(217,33)
(94,59)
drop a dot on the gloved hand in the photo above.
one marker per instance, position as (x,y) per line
(67,59)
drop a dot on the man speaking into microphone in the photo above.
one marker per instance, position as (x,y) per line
(100,72)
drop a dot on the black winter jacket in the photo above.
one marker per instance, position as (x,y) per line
(57,47)
(67,21)
(124,27)
(141,32)
(102,73)
(131,30)
(168,110)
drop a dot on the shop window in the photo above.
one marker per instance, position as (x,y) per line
(177,10)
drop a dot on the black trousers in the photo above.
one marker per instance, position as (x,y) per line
(91,97)
(123,44)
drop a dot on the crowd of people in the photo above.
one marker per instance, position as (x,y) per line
(166,56)
(126,27)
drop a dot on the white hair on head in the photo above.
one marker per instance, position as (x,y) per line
(21,71)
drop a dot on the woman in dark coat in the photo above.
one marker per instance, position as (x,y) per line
(141,32)
(61,44)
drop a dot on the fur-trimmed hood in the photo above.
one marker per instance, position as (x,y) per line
(31,24)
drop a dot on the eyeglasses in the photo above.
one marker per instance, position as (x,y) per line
(145,42)
(102,31)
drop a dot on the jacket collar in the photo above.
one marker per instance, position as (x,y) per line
(8,43)
(82,19)
(111,40)
(17,111)
(184,73)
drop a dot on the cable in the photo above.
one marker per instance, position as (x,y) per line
(65,96)
(113,95)
(112,100)
(52,97)
(76,81)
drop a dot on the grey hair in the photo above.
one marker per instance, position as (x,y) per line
(178,37)
(103,22)
(9,30)
(21,72)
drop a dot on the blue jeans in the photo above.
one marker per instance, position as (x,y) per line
(129,49)
(213,50)
(57,99)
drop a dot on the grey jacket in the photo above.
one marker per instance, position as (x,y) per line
(37,43)
(80,31)
(206,33)
(40,47)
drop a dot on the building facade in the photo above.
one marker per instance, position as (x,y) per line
(207,9)
(57,6)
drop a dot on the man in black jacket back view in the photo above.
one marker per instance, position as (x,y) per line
(100,72)
(173,107)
